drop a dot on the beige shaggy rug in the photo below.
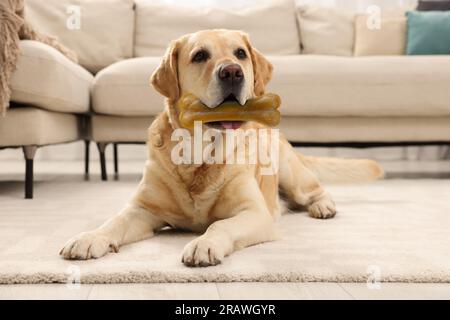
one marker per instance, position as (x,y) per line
(393,230)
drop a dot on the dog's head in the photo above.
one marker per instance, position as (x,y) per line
(215,66)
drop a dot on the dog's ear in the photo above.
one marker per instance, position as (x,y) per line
(165,77)
(262,68)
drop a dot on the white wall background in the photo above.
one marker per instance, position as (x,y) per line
(358,5)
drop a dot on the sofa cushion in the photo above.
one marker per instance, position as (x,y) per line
(100,31)
(309,85)
(428,32)
(325,30)
(132,129)
(301,129)
(389,39)
(124,88)
(32,126)
(271,24)
(365,129)
(46,78)
(362,86)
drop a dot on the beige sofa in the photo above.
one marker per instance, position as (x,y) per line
(326,99)
(49,93)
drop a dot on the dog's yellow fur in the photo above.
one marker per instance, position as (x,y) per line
(234,206)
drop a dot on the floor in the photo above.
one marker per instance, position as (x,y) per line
(12,171)
(227,291)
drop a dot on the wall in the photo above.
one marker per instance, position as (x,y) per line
(359,5)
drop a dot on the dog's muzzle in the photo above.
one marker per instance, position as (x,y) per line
(231,79)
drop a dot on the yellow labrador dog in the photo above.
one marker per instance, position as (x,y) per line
(233,206)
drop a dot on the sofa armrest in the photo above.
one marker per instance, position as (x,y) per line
(47,79)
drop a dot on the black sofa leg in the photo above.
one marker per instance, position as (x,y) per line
(116,161)
(101,149)
(87,144)
(29,153)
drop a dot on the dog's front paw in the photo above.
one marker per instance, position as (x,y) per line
(323,208)
(88,245)
(204,252)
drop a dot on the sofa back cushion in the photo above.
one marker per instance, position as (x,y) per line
(378,86)
(428,33)
(271,24)
(388,39)
(327,31)
(99,31)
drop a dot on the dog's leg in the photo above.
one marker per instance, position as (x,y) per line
(249,223)
(132,224)
(301,186)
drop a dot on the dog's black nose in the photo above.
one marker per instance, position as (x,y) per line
(231,74)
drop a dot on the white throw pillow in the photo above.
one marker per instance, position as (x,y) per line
(103,36)
(271,24)
(326,31)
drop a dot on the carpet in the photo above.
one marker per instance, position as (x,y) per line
(389,231)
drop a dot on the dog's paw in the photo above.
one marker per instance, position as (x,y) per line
(324,208)
(204,252)
(88,245)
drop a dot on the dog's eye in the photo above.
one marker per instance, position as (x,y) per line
(240,54)
(200,56)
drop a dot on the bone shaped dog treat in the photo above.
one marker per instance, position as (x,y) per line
(263,109)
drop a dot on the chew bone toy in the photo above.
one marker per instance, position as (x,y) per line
(263,109)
